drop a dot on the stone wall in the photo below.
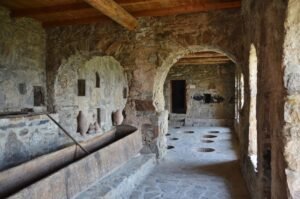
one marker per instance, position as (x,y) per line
(146,54)
(264,29)
(291,129)
(239,103)
(216,80)
(108,95)
(22,63)
(24,137)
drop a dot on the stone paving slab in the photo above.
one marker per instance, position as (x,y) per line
(187,173)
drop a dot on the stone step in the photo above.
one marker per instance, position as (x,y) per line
(121,183)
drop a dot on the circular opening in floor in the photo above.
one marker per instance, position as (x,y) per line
(210,136)
(168,134)
(207,141)
(189,132)
(174,139)
(206,150)
(177,127)
(170,147)
(214,131)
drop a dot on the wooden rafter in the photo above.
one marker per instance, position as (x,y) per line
(77,13)
(207,57)
(190,8)
(115,12)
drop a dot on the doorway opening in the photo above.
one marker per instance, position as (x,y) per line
(178,97)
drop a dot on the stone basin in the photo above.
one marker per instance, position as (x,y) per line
(66,172)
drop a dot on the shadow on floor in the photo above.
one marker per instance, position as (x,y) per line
(231,173)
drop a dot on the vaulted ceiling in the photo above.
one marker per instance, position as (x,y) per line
(124,12)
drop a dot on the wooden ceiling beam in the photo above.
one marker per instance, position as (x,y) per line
(204,54)
(33,12)
(61,17)
(203,63)
(204,59)
(76,21)
(190,8)
(115,12)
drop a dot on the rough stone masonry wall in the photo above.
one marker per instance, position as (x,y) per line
(22,67)
(23,138)
(217,80)
(291,131)
(146,55)
(264,28)
(22,62)
(109,95)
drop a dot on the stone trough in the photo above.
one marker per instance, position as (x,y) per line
(69,171)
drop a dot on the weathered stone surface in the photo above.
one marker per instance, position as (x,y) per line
(292,101)
(147,53)
(293,181)
(144,105)
(22,60)
(78,176)
(15,151)
(264,29)
(217,80)
(292,110)
(27,137)
(186,173)
(108,97)
(122,182)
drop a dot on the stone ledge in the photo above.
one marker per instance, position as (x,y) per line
(79,175)
(122,182)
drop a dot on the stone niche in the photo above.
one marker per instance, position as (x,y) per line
(94,85)
(209,94)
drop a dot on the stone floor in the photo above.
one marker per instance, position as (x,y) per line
(188,171)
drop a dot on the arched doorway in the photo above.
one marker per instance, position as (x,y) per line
(191,146)
(159,80)
(163,70)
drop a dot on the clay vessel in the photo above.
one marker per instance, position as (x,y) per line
(118,117)
(97,127)
(92,128)
(82,124)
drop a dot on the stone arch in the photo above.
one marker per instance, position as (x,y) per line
(97,101)
(172,58)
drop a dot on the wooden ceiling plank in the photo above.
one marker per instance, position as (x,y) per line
(204,55)
(50,10)
(77,21)
(87,14)
(115,12)
(203,63)
(205,58)
(191,8)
